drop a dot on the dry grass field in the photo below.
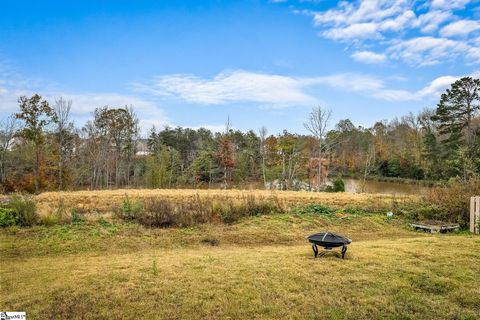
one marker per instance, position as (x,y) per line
(107,201)
(258,268)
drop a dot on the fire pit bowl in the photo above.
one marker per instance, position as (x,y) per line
(328,240)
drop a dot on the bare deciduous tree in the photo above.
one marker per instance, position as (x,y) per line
(8,128)
(64,134)
(263,136)
(317,124)
(226,154)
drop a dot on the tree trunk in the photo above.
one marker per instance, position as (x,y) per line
(37,168)
(319,178)
(263,172)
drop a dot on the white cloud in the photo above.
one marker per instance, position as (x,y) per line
(220,91)
(13,85)
(353,32)
(350,82)
(397,22)
(266,90)
(348,13)
(432,90)
(369,57)
(474,54)
(437,86)
(394,95)
(83,105)
(460,28)
(231,87)
(363,20)
(449,4)
(430,21)
(377,88)
(426,50)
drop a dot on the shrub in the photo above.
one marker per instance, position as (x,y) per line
(410,215)
(48,220)
(338,186)
(193,212)
(158,213)
(247,206)
(7,217)
(452,203)
(77,216)
(314,209)
(130,210)
(231,212)
(431,212)
(25,210)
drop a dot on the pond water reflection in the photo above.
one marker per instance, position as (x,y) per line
(371,186)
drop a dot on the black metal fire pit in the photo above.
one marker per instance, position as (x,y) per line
(328,240)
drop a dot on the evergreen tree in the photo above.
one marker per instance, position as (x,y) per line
(455,114)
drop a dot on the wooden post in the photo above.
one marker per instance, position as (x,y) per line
(475,214)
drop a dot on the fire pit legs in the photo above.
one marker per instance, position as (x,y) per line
(328,241)
(315,249)
(321,254)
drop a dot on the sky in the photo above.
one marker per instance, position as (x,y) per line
(259,63)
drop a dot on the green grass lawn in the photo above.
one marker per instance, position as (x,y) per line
(261,267)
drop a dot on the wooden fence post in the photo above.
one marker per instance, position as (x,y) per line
(475,214)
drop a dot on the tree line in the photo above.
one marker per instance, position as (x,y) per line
(41,149)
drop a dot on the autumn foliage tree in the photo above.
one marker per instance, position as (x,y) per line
(226,158)
(47,152)
(36,115)
(118,128)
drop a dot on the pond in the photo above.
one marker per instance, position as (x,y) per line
(371,186)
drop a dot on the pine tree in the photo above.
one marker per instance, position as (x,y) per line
(455,112)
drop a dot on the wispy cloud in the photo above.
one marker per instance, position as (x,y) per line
(270,90)
(431,90)
(231,87)
(460,28)
(424,51)
(266,90)
(369,57)
(430,21)
(83,104)
(395,27)
(14,85)
(449,4)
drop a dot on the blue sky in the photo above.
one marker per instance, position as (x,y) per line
(195,63)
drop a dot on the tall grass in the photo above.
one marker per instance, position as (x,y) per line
(107,201)
(164,212)
(24,208)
